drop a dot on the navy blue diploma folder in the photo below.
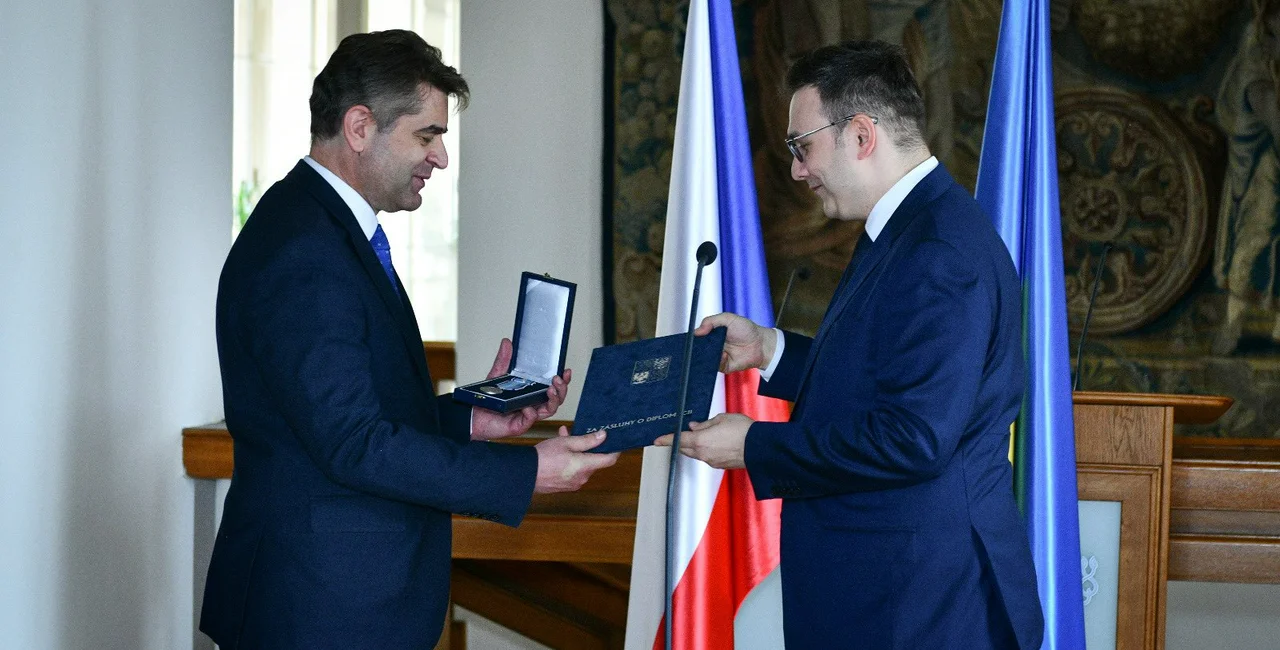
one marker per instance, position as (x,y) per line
(632,390)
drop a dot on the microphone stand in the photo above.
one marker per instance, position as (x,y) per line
(803,273)
(706,255)
(1097,277)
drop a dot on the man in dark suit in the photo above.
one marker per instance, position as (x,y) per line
(337,531)
(899,525)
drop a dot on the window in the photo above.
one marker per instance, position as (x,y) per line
(280,47)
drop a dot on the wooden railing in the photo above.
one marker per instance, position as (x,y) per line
(594,524)
(1225,522)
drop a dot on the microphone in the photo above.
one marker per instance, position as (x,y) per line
(706,254)
(801,272)
(1084,330)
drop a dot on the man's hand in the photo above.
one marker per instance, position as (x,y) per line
(746,345)
(563,465)
(488,425)
(719,442)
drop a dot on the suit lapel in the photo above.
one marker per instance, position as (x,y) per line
(863,266)
(391,296)
(408,310)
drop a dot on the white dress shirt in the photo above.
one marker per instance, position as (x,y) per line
(364,212)
(880,214)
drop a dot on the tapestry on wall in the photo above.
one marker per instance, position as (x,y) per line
(1169,170)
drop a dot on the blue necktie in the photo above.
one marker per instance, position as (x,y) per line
(382,248)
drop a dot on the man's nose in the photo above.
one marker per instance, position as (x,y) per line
(439,157)
(798,170)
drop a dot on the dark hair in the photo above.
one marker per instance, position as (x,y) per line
(870,77)
(383,71)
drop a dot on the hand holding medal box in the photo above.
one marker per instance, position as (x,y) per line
(539,345)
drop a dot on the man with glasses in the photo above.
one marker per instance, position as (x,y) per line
(899,525)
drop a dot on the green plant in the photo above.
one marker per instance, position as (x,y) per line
(245,197)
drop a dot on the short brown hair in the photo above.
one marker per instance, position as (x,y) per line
(383,71)
(870,77)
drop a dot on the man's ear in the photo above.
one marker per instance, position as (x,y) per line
(358,127)
(864,132)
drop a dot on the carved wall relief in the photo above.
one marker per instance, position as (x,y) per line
(1129,176)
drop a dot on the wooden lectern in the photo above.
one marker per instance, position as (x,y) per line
(1124,453)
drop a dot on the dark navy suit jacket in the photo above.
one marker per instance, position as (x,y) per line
(899,525)
(336,531)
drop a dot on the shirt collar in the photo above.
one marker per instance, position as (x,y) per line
(364,213)
(888,204)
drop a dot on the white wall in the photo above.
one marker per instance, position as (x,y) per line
(529,186)
(114,199)
(530,171)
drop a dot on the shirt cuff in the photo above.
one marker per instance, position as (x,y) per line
(777,356)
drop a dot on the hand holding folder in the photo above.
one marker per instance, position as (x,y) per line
(632,390)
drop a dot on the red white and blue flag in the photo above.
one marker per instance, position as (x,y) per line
(727,591)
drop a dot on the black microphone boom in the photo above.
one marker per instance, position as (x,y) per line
(706,254)
(1097,277)
(801,272)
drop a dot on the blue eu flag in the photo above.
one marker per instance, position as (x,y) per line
(1018,187)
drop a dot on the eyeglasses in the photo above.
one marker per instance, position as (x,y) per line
(799,154)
